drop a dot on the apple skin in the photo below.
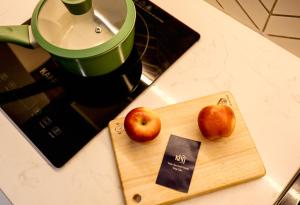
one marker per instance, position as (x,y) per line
(216,121)
(142,124)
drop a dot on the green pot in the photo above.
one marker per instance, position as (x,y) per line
(89,40)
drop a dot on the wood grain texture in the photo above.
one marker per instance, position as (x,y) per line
(222,163)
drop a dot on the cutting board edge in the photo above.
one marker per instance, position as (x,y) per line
(116,158)
(128,200)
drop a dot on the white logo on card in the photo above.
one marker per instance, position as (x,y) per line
(180,158)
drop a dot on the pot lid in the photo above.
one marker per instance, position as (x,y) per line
(80,24)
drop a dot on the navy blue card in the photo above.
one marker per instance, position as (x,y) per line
(178,163)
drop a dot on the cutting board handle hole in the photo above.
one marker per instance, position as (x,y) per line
(137,198)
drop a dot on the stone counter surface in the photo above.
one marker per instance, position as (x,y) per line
(263,77)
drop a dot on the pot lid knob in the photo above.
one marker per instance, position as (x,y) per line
(78,7)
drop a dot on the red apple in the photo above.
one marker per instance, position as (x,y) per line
(142,124)
(216,121)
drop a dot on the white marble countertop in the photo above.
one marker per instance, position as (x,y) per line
(263,77)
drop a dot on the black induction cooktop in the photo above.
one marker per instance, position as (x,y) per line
(60,112)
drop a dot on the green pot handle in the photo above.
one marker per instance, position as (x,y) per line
(15,34)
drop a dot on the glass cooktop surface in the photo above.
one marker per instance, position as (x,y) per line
(59,112)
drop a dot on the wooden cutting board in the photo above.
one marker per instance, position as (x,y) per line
(222,163)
